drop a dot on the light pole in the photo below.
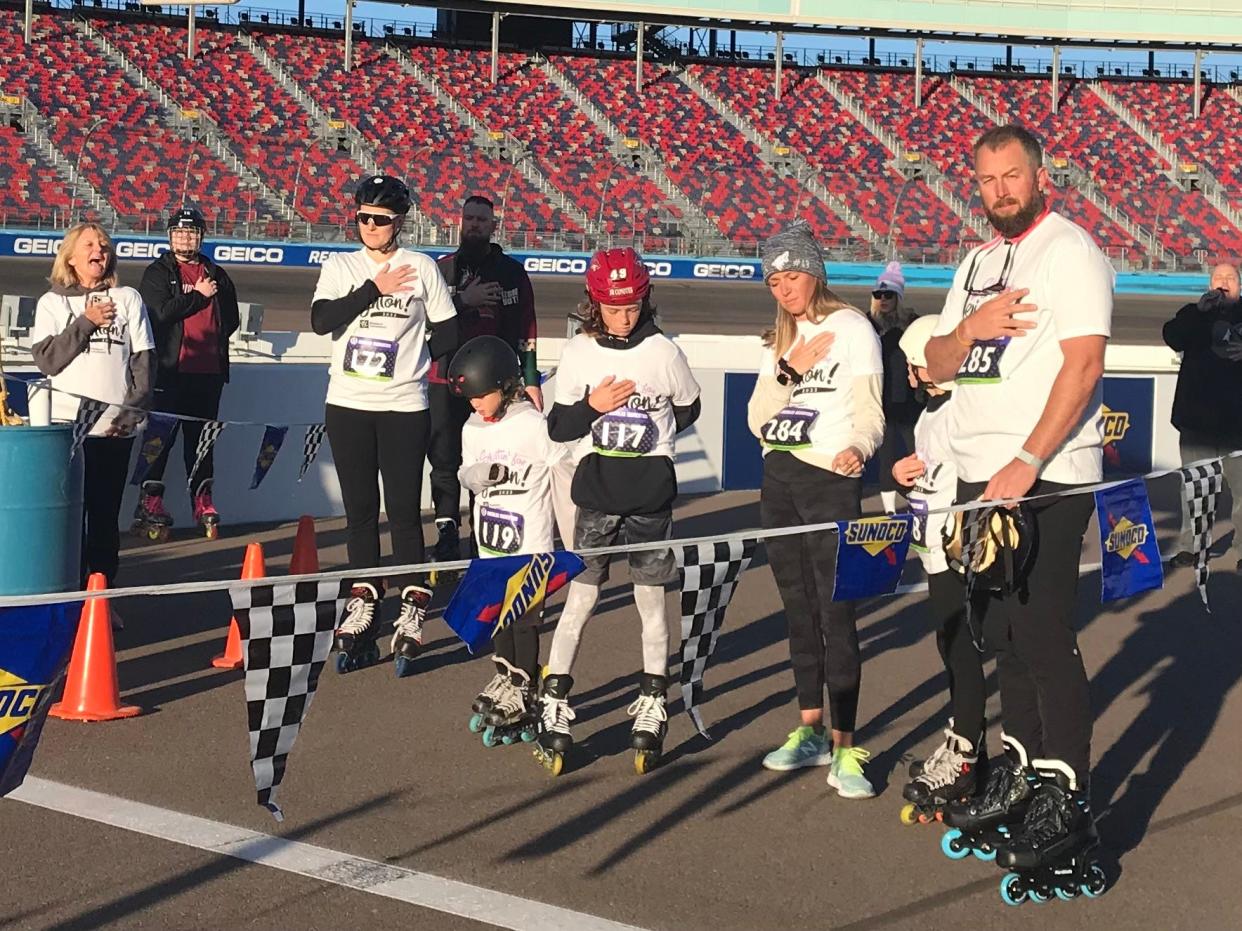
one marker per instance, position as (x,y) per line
(185,181)
(892,220)
(77,165)
(603,198)
(297,177)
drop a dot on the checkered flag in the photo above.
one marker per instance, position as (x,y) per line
(89,412)
(310,447)
(206,439)
(286,632)
(709,575)
(1200,486)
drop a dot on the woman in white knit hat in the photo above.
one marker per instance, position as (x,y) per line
(890,318)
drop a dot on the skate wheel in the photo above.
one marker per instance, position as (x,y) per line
(508,739)
(907,815)
(403,666)
(157,534)
(1040,895)
(1097,882)
(552,760)
(211,531)
(986,853)
(489,737)
(1012,891)
(1065,894)
(645,761)
(528,736)
(342,663)
(476,723)
(951,845)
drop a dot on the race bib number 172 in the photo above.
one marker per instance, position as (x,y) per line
(375,359)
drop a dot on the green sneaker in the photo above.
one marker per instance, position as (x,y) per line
(846,774)
(803,748)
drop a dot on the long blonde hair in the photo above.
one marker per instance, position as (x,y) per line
(824,301)
(63,274)
(899,317)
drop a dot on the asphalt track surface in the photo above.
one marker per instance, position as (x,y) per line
(385,770)
(724,308)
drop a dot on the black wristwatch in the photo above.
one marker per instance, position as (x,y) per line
(788,374)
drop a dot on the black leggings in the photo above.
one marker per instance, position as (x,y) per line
(106,466)
(946,597)
(823,634)
(449,414)
(197,396)
(366,444)
(518,645)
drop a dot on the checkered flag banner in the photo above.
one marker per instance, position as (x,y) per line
(206,439)
(310,447)
(286,632)
(89,412)
(709,575)
(1200,486)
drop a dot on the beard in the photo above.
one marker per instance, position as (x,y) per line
(474,243)
(1017,223)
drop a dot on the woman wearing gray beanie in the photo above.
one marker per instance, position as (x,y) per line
(816,411)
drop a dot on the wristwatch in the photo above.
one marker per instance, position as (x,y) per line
(1029,458)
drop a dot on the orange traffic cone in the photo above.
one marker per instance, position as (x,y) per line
(305,553)
(91,691)
(252,568)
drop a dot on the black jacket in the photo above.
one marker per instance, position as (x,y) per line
(168,305)
(1208,399)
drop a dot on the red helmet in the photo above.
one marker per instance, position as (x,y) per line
(617,276)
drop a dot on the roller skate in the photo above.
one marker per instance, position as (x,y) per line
(205,514)
(484,701)
(355,646)
(513,715)
(650,722)
(983,824)
(950,774)
(407,635)
(1055,850)
(447,549)
(555,741)
(150,519)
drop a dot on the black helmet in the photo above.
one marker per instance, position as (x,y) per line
(187,218)
(483,365)
(384,191)
(1003,544)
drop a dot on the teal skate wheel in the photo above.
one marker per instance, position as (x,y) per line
(489,737)
(1040,896)
(528,737)
(507,739)
(476,723)
(951,845)
(342,663)
(1012,891)
(986,854)
(1066,894)
(1097,882)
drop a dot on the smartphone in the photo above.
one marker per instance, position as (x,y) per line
(96,297)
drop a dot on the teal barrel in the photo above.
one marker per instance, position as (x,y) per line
(40,511)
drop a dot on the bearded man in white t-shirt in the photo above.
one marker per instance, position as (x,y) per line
(1022,333)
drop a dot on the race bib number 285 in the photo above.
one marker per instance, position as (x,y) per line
(982,363)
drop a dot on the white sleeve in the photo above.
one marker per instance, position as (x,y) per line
(951,312)
(767,362)
(554,454)
(49,318)
(469,454)
(331,283)
(865,356)
(685,388)
(568,385)
(436,295)
(1080,289)
(140,339)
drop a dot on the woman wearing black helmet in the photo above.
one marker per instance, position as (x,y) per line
(389,314)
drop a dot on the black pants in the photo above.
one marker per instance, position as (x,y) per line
(366,444)
(196,396)
(1045,696)
(107,467)
(823,634)
(448,415)
(518,645)
(946,598)
(897,444)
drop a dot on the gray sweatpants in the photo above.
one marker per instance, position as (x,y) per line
(1196,446)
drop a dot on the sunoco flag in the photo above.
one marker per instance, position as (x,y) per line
(495,593)
(155,439)
(269,448)
(1130,559)
(34,650)
(870,555)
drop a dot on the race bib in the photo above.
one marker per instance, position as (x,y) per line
(624,432)
(375,359)
(982,363)
(790,429)
(918,526)
(500,531)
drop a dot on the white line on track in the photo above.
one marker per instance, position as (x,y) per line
(320,863)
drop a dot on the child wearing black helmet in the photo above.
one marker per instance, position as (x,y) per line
(507,463)
(389,314)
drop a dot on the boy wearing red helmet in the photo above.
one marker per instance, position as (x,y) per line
(623,392)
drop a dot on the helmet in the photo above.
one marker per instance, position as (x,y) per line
(384,191)
(483,365)
(914,341)
(617,276)
(187,218)
(1005,539)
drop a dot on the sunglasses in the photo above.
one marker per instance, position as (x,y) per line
(882,295)
(376,219)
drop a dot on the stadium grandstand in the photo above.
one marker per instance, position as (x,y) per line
(268,131)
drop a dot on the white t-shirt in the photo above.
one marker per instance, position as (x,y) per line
(102,370)
(380,360)
(934,489)
(820,413)
(516,516)
(1003,385)
(662,379)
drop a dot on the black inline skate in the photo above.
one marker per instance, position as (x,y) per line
(484,701)
(555,715)
(447,549)
(407,635)
(982,824)
(1055,850)
(514,715)
(650,722)
(355,646)
(950,774)
(151,520)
